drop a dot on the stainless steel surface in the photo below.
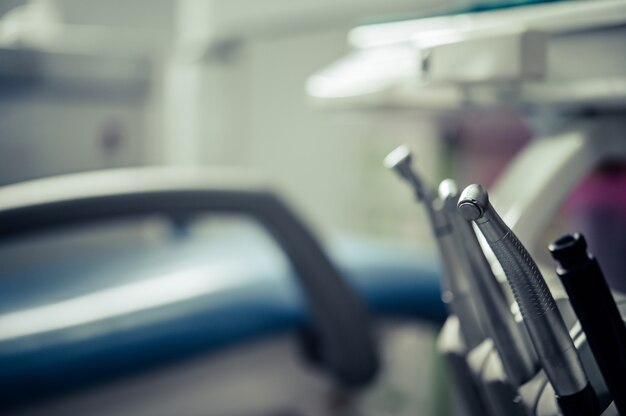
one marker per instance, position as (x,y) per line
(400,160)
(456,289)
(511,341)
(545,325)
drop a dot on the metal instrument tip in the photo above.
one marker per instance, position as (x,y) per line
(448,189)
(399,156)
(473,202)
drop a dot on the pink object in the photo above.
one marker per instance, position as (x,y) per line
(597,208)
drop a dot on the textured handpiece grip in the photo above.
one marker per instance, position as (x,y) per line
(546,328)
(529,288)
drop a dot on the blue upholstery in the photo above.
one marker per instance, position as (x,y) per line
(261,298)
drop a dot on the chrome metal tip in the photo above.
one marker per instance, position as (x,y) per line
(448,189)
(399,160)
(473,202)
(401,155)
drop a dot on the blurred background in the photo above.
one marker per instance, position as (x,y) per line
(306,97)
(212,84)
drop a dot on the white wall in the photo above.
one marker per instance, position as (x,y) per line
(243,104)
(254,114)
(47,137)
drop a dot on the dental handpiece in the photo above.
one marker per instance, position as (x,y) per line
(455,286)
(597,312)
(549,335)
(511,343)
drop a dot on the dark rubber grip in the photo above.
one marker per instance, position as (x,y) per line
(583,403)
(597,312)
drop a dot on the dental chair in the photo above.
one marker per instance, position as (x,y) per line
(98,326)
